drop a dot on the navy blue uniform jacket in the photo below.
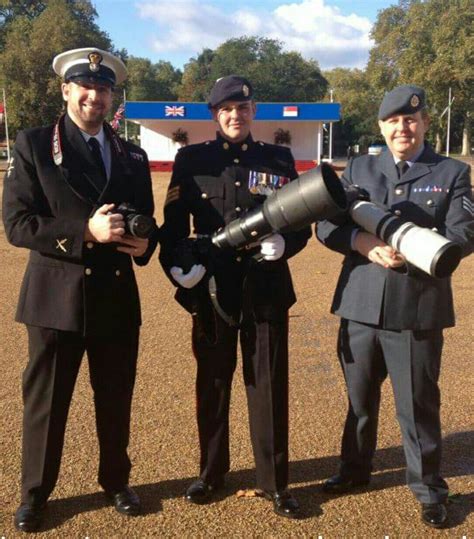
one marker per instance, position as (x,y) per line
(211,182)
(436,193)
(71,285)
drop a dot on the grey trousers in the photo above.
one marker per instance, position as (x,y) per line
(412,359)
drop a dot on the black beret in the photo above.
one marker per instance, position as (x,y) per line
(232,88)
(406,99)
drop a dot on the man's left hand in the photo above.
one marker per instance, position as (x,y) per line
(133,246)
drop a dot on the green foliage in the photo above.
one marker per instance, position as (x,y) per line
(428,43)
(275,75)
(25,61)
(151,82)
(359,106)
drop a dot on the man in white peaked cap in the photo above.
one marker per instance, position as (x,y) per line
(61,201)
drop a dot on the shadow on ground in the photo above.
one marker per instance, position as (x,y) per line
(389,472)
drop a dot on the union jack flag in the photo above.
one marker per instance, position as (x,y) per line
(115,123)
(174,110)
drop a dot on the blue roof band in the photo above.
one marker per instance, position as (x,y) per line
(179,111)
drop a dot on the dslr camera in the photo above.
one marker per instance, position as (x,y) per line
(136,224)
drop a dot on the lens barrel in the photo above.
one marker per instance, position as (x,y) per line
(315,195)
(424,248)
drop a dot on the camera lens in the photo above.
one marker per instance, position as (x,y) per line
(140,226)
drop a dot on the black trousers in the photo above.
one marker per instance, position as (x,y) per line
(264,346)
(412,359)
(48,384)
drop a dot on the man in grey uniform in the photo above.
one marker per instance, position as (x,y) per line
(392,314)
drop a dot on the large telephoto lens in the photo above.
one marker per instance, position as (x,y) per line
(315,195)
(422,247)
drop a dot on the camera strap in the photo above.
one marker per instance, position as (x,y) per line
(212,285)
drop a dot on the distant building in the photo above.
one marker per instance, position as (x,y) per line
(162,122)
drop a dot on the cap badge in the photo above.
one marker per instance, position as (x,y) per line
(245,90)
(414,101)
(95,59)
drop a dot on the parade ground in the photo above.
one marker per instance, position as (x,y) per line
(164,442)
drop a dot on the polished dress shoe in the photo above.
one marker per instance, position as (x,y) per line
(434,514)
(339,484)
(28,517)
(284,504)
(201,492)
(125,501)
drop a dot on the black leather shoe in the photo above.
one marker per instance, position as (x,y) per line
(201,492)
(284,504)
(125,501)
(339,484)
(28,517)
(434,514)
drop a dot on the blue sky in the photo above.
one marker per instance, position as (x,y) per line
(333,32)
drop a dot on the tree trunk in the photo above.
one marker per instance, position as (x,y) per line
(438,148)
(466,137)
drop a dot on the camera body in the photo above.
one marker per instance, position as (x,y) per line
(136,224)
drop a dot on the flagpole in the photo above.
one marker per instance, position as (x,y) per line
(330,131)
(124,118)
(449,123)
(6,124)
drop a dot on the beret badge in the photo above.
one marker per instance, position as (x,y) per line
(245,90)
(95,59)
(414,101)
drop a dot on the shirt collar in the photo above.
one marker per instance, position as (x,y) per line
(243,145)
(100,136)
(414,159)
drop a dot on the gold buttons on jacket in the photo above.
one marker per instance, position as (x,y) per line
(203,195)
(397,213)
(117,272)
(237,184)
(238,259)
(236,160)
(226,146)
(89,244)
(399,191)
(245,147)
(238,208)
(88,271)
(430,202)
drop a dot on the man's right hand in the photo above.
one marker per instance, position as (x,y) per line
(377,251)
(190,279)
(105,226)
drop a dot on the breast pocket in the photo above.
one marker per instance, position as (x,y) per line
(211,194)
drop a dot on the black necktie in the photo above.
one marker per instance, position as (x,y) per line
(402,167)
(97,154)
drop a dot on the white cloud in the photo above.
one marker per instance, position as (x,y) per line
(312,27)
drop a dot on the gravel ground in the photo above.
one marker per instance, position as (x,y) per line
(164,447)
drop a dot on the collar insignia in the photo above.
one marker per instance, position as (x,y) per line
(60,244)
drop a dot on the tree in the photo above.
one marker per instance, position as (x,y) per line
(151,82)
(25,61)
(359,108)
(275,75)
(140,83)
(197,80)
(429,43)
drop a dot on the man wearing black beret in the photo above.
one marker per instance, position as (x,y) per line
(226,291)
(79,292)
(392,314)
